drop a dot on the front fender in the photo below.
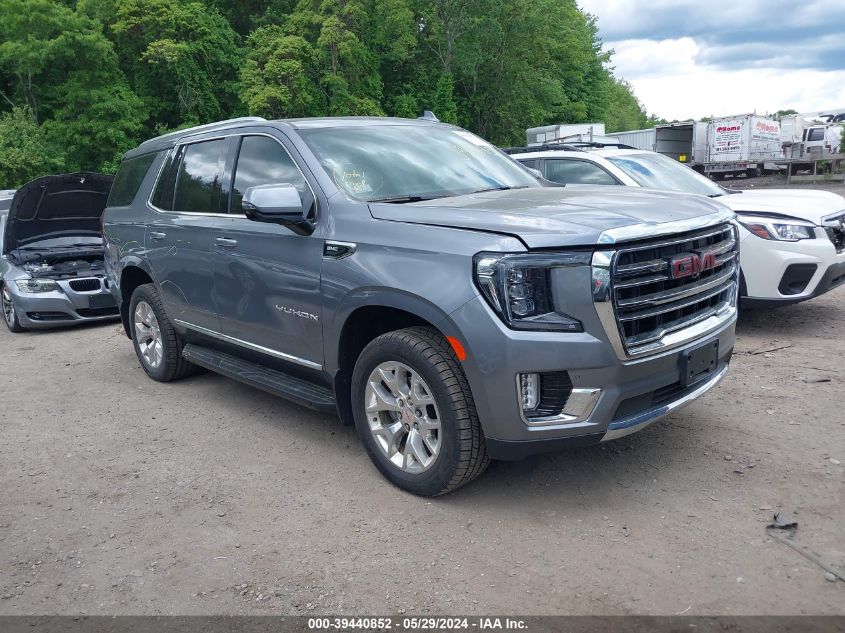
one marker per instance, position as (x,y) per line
(385,297)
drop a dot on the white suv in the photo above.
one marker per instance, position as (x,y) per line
(792,240)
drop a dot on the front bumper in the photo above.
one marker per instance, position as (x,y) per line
(766,265)
(635,393)
(63,306)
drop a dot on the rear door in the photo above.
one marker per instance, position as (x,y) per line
(267,278)
(188,198)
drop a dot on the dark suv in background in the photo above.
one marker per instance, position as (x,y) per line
(419,282)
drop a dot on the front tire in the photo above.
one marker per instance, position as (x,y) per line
(415,414)
(156,342)
(10,315)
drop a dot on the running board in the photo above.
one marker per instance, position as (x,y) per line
(279,384)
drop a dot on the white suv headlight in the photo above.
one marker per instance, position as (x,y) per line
(771,229)
(36,285)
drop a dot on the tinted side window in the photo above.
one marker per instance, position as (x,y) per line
(128,180)
(529,162)
(816,134)
(263,161)
(198,177)
(163,192)
(577,172)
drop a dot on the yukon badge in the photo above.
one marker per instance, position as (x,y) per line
(297,313)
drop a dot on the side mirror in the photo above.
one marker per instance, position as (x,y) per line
(279,204)
(536,172)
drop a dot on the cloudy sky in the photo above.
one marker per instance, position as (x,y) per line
(688,59)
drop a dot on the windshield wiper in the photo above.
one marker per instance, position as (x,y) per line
(501,188)
(404,199)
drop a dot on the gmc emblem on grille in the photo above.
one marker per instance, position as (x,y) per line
(691,264)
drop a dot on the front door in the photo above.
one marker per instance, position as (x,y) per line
(186,200)
(267,278)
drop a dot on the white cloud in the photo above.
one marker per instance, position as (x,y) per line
(687,58)
(671,83)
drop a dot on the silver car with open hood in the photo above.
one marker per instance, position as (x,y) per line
(51,268)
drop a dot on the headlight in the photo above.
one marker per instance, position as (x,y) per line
(519,288)
(771,229)
(35,285)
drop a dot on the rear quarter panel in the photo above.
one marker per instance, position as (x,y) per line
(124,230)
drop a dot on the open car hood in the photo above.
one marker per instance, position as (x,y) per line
(67,205)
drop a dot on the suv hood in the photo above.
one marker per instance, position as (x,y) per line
(68,205)
(806,204)
(549,217)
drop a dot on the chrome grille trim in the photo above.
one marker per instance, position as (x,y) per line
(659,298)
(641,315)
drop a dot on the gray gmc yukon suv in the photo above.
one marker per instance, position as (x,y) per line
(414,279)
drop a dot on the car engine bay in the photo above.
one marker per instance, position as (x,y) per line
(67,265)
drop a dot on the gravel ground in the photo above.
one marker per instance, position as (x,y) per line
(126,496)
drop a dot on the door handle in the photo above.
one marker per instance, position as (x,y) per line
(157,235)
(225,242)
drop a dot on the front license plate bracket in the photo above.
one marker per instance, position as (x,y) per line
(699,363)
(101,301)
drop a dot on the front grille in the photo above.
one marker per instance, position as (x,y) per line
(667,285)
(835,229)
(84,285)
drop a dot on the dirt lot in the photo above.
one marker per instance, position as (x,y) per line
(124,496)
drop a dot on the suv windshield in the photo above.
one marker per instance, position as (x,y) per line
(405,163)
(661,172)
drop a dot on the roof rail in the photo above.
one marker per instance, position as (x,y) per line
(546,147)
(206,127)
(582,144)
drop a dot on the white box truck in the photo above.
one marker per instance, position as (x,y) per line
(641,139)
(728,145)
(575,132)
(803,138)
(744,143)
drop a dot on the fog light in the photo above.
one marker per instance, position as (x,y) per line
(529,388)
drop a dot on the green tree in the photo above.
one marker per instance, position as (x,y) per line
(443,103)
(56,61)
(623,111)
(275,75)
(25,152)
(182,57)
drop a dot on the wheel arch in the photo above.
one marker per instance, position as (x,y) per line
(362,319)
(132,276)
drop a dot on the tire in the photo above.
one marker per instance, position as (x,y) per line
(10,315)
(753,172)
(719,176)
(166,347)
(461,454)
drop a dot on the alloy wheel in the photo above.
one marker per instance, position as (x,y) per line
(8,307)
(403,417)
(148,335)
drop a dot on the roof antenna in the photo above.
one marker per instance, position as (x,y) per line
(428,115)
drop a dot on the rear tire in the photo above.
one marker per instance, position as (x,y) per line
(156,342)
(417,364)
(10,315)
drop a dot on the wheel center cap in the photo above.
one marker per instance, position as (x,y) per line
(407,416)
